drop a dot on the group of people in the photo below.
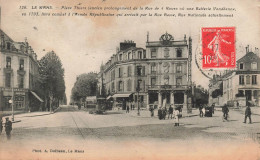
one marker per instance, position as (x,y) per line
(248,113)
(8,127)
(171,112)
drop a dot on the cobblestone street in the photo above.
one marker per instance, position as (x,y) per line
(72,129)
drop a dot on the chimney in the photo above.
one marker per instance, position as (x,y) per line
(147,37)
(257,51)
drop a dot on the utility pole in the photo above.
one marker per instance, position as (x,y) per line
(138,107)
(13,99)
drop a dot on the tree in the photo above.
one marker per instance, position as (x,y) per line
(201,95)
(218,92)
(85,85)
(52,75)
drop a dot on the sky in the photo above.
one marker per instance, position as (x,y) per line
(83,43)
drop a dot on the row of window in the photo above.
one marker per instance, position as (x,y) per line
(141,84)
(130,55)
(142,55)
(166,53)
(253,66)
(140,71)
(8,81)
(9,63)
(248,79)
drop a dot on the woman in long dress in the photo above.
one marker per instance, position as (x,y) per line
(176,117)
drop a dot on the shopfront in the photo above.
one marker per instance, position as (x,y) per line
(20,101)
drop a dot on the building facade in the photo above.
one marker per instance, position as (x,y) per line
(18,70)
(158,75)
(242,84)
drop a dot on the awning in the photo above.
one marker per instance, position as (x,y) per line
(36,96)
(122,95)
(91,98)
(108,97)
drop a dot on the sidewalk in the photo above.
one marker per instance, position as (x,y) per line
(20,114)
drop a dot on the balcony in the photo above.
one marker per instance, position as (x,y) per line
(167,87)
(21,72)
(8,70)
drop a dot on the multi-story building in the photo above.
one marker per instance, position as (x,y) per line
(161,74)
(242,84)
(18,70)
(244,80)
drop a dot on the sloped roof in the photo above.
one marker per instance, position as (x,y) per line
(250,56)
(5,35)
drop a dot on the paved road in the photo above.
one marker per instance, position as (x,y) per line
(116,132)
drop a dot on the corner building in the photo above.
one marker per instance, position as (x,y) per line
(18,75)
(159,75)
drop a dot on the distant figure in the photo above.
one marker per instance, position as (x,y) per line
(203,111)
(238,105)
(127,109)
(176,117)
(1,127)
(170,111)
(225,111)
(8,128)
(164,112)
(200,109)
(248,114)
(160,114)
(151,109)
(213,107)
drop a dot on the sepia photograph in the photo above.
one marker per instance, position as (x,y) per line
(129,79)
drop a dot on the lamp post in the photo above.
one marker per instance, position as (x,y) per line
(138,89)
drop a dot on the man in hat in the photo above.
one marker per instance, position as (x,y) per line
(170,111)
(248,113)
(1,127)
(160,113)
(8,127)
(213,107)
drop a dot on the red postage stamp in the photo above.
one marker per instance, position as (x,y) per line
(218,47)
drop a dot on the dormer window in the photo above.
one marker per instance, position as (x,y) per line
(254,65)
(153,53)
(241,66)
(139,54)
(21,67)
(120,57)
(8,45)
(8,62)
(179,53)
(129,55)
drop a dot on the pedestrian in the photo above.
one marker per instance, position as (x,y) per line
(225,111)
(170,112)
(1,127)
(203,111)
(200,109)
(213,107)
(160,116)
(151,109)
(8,127)
(248,114)
(127,109)
(176,116)
(238,104)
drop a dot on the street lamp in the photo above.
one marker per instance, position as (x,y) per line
(138,90)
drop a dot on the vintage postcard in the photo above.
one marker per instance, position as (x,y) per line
(129,79)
